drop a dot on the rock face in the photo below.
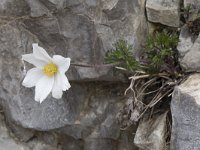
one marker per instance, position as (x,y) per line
(185,108)
(164,11)
(84,31)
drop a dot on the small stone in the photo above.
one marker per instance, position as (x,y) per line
(191,62)
(185,41)
(164,11)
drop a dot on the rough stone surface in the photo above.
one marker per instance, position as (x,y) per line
(185,41)
(23,134)
(14,8)
(84,31)
(69,143)
(164,11)
(126,139)
(7,142)
(81,105)
(191,61)
(97,118)
(185,108)
(100,144)
(61,141)
(151,133)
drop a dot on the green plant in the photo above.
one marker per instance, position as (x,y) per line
(153,78)
(160,52)
(123,55)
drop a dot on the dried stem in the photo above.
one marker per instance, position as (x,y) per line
(139,85)
(94,65)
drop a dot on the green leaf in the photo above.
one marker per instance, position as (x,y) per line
(122,54)
(159,47)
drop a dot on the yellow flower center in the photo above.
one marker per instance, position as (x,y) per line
(50,69)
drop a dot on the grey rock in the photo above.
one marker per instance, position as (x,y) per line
(18,101)
(8,142)
(151,133)
(21,108)
(164,11)
(37,8)
(69,143)
(93,27)
(98,116)
(14,8)
(83,30)
(185,115)
(23,134)
(77,131)
(185,41)
(49,138)
(37,145)
(106,128)
(190,61)
(126,139)
(100,144)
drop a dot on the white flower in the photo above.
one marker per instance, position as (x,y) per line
(48,74)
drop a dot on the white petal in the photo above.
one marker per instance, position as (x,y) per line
(43,88)
(65,83)
(40,53)
(62,62)
(57,87)
(32,77)
(31,59)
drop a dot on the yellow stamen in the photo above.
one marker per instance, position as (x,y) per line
(50,69)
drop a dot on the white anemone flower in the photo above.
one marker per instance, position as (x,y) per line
(48,75)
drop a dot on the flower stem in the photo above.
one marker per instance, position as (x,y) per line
(94,65)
